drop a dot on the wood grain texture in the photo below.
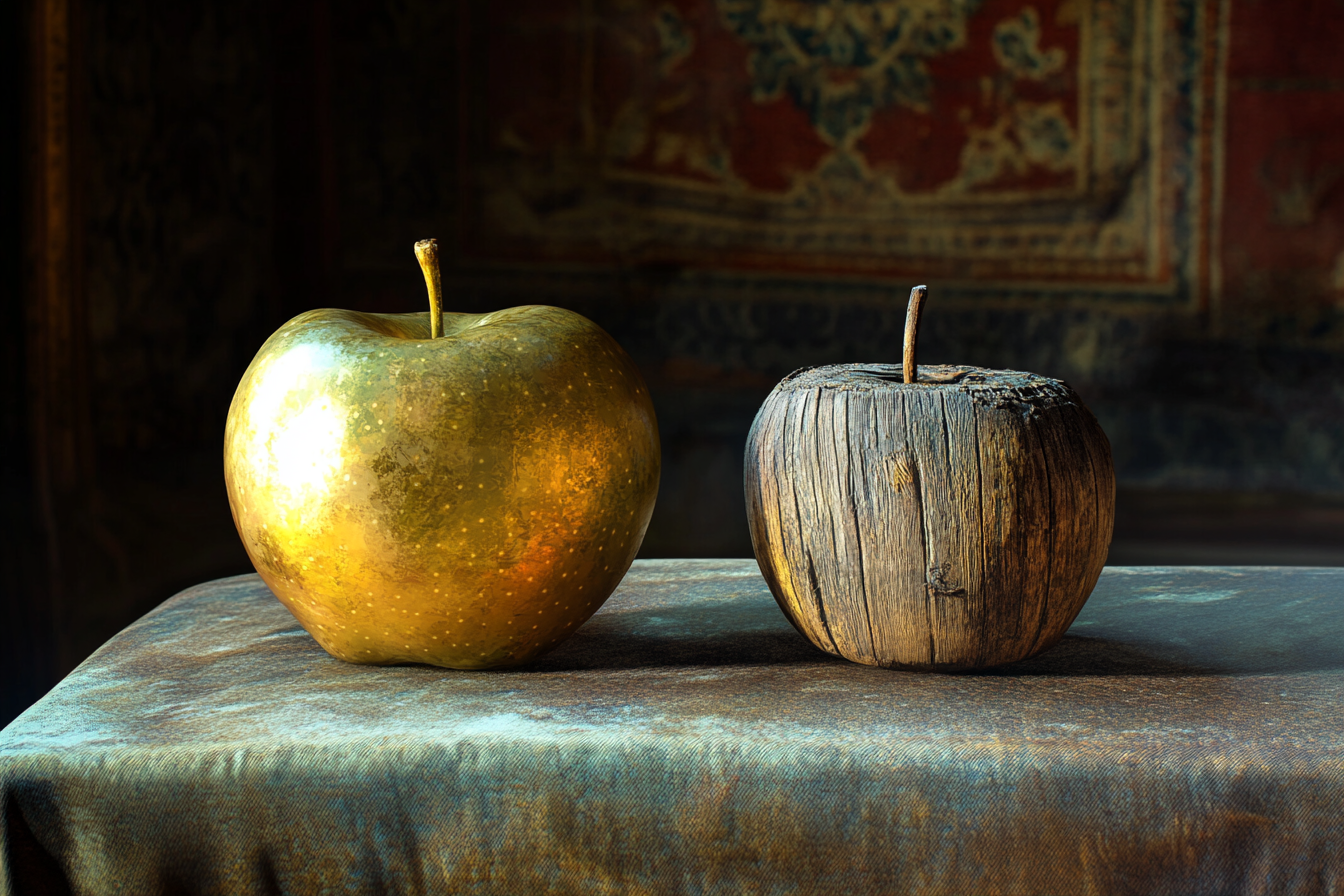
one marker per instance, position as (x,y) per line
(953,523)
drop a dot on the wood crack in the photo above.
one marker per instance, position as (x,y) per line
(1050,533)
(917,484)
(987,617)
(802,536)
(858,533)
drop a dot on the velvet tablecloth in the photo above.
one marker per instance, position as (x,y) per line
(1186,737)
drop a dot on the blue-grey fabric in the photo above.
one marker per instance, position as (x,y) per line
(1186,737)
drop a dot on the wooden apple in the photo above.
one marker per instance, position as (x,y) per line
(930,518)
(456,489)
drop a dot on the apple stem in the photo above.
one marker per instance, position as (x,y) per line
(427,252)
(912,312)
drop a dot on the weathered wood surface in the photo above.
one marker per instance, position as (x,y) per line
(953,523)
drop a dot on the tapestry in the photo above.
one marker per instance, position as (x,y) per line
(1051,144)
(1281,220)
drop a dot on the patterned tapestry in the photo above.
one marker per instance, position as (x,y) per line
(1043,145)
(1281,219)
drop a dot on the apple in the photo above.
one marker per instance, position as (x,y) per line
(934,518)
(463,490)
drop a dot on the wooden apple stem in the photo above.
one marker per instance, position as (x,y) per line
(912,312)
(427,252)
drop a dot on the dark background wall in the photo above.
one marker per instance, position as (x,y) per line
(189,176)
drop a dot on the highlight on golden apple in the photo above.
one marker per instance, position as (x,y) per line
(457,489)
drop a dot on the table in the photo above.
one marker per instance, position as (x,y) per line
(1185,737)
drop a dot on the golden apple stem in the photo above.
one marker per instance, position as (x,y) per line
(427,252)
(912,312)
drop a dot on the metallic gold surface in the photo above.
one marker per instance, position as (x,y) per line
(466,501)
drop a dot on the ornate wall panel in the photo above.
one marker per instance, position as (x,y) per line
(1282,217)
(1046,146)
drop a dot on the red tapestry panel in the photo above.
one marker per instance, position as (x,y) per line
(1283,211)
(972,140)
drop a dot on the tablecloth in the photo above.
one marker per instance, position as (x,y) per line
(1185,737)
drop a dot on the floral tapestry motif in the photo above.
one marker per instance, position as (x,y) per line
(843,59)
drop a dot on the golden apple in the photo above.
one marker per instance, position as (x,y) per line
(456,489)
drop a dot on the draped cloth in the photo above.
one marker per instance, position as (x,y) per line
(1186,736)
